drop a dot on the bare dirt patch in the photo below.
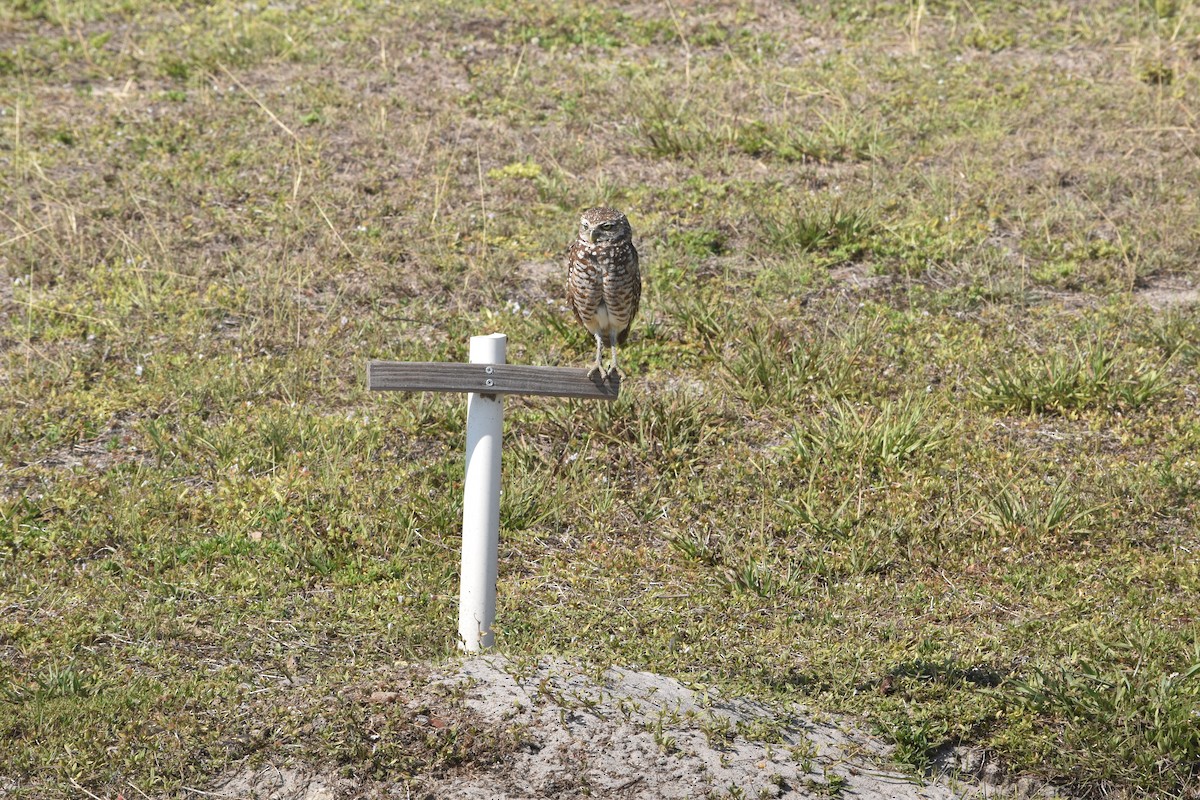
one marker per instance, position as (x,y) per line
(623,733)
(1168,292)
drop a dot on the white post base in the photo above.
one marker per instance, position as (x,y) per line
(481,505)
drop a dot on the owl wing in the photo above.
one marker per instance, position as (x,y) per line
(573,298)
(635,276)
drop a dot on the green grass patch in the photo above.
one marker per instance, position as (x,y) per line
(1069,383)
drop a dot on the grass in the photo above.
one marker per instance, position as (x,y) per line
(1066,383)
(909,432)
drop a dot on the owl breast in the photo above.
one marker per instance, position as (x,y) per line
(604,287)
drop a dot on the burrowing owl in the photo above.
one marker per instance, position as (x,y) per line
(604,286)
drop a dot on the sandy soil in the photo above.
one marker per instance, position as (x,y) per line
(628,734)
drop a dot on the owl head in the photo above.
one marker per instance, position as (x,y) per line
(601,225)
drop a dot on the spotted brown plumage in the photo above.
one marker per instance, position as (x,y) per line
(604,285)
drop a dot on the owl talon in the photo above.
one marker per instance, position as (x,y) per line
(594,372)
(614,375)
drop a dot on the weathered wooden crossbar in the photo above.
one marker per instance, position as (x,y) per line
(436,376)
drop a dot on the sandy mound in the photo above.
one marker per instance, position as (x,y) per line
(624,734)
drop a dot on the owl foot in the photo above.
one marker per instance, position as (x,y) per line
(614,374)
(595,372)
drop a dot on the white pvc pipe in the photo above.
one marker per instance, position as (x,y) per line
(481,505)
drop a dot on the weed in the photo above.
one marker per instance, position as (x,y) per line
(717,730)
(756,578)
(871,439)
(917,741)
(703,317)
(666,743)
(771,367)
(829,228)
(694,547)
(667,427)
(1177,335)
(1069,383)
(673,131)
(804,753)
(1142,726)
(1016,515)
(830,784)
(53,683)
(1180,476)
(849,136)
